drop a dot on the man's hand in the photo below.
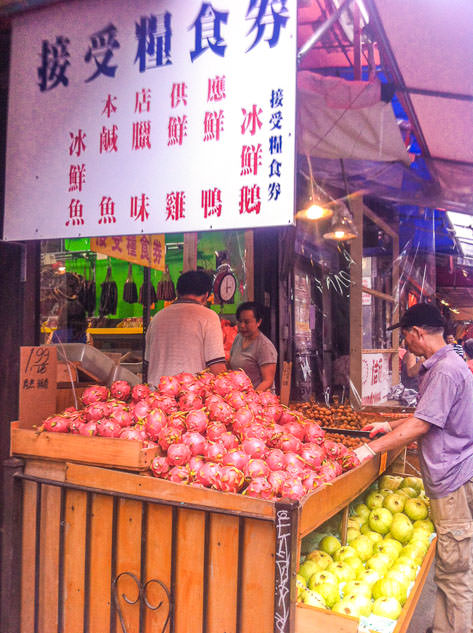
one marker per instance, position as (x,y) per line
(364,452)
(377,428)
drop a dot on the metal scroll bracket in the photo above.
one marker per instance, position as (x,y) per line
(141,598)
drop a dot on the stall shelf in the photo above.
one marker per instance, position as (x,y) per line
(102,549)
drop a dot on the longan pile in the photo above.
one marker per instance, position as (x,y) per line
(339,416)
(346,440)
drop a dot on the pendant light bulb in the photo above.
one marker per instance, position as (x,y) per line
(342,228)
(318,205)
(314,212)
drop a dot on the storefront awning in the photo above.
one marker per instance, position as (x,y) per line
(427,48)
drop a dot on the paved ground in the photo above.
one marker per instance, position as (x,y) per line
(423,614)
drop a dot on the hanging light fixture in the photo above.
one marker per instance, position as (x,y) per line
(342,227)
(317,207)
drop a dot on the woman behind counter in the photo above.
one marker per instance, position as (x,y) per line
(252,351)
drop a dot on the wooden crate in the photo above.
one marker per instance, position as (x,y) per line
(213,551)
(310,619)
(100,451)
(219,554)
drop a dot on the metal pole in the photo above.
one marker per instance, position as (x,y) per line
(10,616)
(287,515)
(146,315)
(320,32)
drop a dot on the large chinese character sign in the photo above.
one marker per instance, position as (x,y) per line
(130,118)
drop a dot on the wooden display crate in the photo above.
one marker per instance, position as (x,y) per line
(228,561)
(99,451)
(310,619)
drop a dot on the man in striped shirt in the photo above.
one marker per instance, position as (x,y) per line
(186,336)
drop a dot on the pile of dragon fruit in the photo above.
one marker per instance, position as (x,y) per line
(213,432)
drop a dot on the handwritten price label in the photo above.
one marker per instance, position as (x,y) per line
(38,366)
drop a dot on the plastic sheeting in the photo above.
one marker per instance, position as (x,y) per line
(346,119)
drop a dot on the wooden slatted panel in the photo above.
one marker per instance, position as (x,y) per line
(49,557)
(158,563)
(190,571)
(144,485)
(100,563)
(129,559)
(223,574)
(74,561)
(28,557)
(257,602)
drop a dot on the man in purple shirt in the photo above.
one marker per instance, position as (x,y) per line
(443,425)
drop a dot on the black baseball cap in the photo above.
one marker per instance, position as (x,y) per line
(421,314)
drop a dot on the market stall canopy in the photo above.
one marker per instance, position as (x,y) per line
(427,47)
(337,118)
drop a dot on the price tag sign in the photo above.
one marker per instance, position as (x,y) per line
(38,366)
(382,463)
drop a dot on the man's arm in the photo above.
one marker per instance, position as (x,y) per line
(404,432)
(217,368)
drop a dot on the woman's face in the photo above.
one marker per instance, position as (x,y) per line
(247,324)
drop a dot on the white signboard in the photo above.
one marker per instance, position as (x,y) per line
(375,378)
(151,117)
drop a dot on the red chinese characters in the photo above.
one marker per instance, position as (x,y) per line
(109,139)
(141,135)
(157,252)
(212,202)
(376,371)
(141,130)
(117,244)
(251,120)
(131,245)
(139,208)
(76,177)
(77,173)
(110,107)
(145,248)
(250,199)
(175,205)
(216,88)
(76,213)
(250,159)
(178,94)
(107,211)
(213,125)
(77,145)
(143,101)
(177,123)
(177,129)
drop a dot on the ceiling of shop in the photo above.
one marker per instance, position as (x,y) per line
(427,48)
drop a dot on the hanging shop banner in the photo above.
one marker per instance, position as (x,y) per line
(149,117)
(375,378)
(145,250)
